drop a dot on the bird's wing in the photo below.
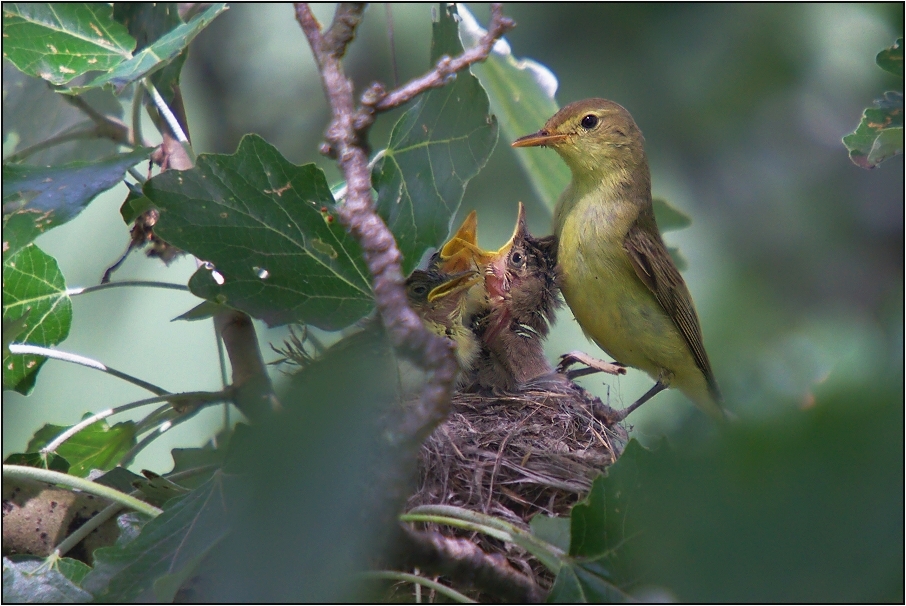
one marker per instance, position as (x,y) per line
(654,267)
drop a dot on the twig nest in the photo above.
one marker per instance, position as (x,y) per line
(517,455)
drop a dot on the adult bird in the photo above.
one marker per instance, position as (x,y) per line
(617,276)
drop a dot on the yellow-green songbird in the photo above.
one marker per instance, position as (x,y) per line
(617,276)
(439,299)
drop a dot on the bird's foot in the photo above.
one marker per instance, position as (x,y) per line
(593,365)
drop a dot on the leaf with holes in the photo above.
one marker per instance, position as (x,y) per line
(33,285)
(39,198)
(60,41)
(155,56)
(880,133)
(435,149)
(269,231)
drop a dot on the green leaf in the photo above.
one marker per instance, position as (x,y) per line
(669,217)
(33,582)
(36,459)
(171,543)
(74,570)
(37,199)
(158,489)
(34,113)
(880,133)
(521,93)
(155,56)
(805,509)
(585,583)
(891,58)
(554,530)
(588,530)
(60,41)
(435,148)
(33,284)
(98,446)
(269,229)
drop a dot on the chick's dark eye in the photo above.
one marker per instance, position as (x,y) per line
(419,290)
(589,121)
(517,258)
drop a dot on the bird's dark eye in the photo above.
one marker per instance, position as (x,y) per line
(419,290)
(590,121)
(517,258)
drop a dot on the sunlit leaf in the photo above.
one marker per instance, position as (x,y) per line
(39,198)
(98,446)
(585,583)
(269,229)
(435,148)
(33,285)
(41,461)
(59,41)
(33,582)
(168,544)
(155,56)
(880,133)
(521,93)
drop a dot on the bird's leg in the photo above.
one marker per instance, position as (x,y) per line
(593,365)
(655,389)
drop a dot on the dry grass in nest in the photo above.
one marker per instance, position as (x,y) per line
(517,455)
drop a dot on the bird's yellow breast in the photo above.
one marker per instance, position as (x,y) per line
(615,309)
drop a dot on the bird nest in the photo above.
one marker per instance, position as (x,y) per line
(517,455)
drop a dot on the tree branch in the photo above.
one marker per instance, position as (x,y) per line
(359,217)
(462,561)
(446,66)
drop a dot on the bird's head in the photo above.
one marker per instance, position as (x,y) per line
(591,136)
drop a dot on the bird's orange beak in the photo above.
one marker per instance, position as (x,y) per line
(542,138)
(455,283)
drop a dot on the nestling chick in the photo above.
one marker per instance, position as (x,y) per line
(523,296)
(440,300)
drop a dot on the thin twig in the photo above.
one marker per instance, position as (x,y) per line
(187,399)
(439,76)
(19,348)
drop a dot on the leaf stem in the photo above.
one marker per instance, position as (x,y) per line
(20,472)
(172,399)
(419,580)
(72,292)
(20,348)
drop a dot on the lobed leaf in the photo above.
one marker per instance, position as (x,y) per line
(156,55)
(891,58)
(38,198)
(98,446)
(435,148)
(34,582)
(59,41)
(880,133)
(33,286)
(172,543)
(521,94)
(269,230)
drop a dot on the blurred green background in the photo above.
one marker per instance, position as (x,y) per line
(795,255)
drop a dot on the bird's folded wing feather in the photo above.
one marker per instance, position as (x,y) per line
(654,267)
